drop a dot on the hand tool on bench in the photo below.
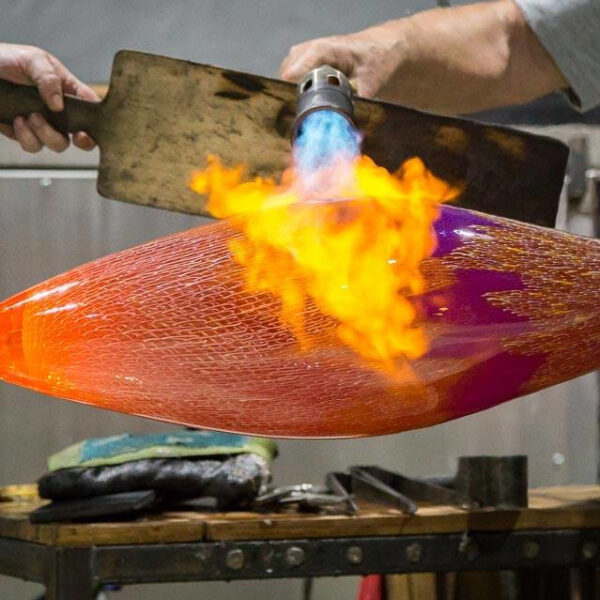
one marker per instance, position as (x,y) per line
(480,481)
(305,497)
(161,118)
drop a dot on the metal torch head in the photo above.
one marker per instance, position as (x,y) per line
(324,88)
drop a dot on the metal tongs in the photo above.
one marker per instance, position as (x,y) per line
(307,497)
(387,489)
(367,485)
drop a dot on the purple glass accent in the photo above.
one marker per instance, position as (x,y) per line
(451,222)
(492,382)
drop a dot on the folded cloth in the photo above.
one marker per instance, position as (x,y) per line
(177,466)
(122,448)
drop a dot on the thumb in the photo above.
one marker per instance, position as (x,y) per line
(366,83)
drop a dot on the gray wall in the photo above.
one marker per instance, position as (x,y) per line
(45,229)
(252,35)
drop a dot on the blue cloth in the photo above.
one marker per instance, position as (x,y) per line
(100,448)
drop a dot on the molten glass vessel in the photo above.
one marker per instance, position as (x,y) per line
(169,330)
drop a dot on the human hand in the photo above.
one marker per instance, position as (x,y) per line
(368,58)
(456,60)
(29,65)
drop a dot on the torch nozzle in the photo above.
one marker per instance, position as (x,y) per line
(324,88)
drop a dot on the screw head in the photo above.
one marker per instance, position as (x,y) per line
(414,552)
(530,549)
(295,556)
(202,556)
(354,554)
(235,559)
(589,550)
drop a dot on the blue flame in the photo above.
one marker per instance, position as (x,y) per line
(325,137)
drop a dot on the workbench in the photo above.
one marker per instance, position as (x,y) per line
(561,528)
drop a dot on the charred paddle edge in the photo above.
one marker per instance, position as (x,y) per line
(502,171)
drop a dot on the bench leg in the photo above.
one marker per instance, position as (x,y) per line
(71,576)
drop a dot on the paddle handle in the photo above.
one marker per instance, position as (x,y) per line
(22,100)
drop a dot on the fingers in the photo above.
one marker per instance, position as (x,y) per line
(285,70)
(310,55)
(72,85)
(365,85)
(334,51)
(25,136)
(302,59)
(34,133)
(83,141)
(75,87)
(43,74)
(52,78)
(46,134)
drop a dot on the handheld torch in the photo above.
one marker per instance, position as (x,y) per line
(323,88)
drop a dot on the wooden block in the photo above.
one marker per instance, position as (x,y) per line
(414,586)
(397,587)
(100,88)
(482,585)
(19,492)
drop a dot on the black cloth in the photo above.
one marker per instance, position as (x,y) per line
(233,481)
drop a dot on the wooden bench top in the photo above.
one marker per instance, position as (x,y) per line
(569,507)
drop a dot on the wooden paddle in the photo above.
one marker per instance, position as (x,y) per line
(163,116)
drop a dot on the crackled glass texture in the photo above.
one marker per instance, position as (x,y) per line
(166,330)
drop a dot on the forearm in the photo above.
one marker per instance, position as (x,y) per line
(467,58)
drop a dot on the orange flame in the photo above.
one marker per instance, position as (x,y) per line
(351,239)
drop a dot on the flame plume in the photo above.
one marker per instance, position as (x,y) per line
(358,261)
